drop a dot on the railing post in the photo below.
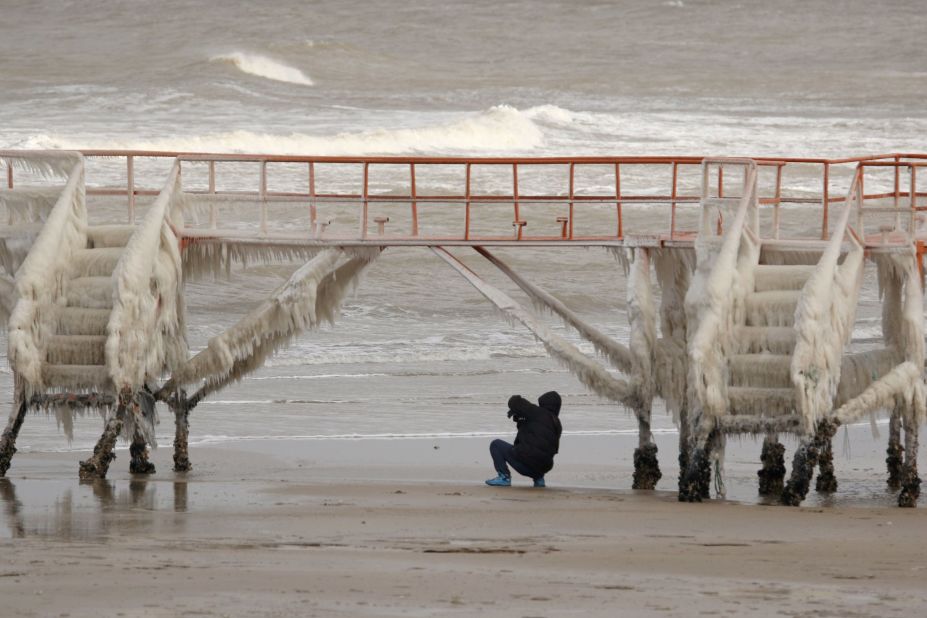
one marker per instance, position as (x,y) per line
(9,174)
(778,202)
(618,198)
(860,203)
(366,203)
(313,214)
(572,186)
(515,199)
(912,225)
(467,204)
(860,200)
(897,180)
(213,209)
(721,180)
(897,196)
(673,201)
(130,186)
(263,192)
(826,202)
(414,202)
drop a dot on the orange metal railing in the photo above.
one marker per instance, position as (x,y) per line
(571,197)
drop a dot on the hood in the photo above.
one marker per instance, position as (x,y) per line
(550,401)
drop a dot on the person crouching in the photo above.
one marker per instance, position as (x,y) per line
(536,443)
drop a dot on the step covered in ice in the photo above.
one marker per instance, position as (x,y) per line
(768,277)
(82,321)
(76,350)
(77,377)
(774,308)
(109,235)
(91,292)
(759,339)
(95,262)
(761,401)
(761,370)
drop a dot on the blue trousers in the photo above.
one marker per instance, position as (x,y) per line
(503,455)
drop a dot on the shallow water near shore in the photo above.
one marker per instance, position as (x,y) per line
(43,498)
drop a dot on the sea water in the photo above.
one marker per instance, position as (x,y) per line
(417,351)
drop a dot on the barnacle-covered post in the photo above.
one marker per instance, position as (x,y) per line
(806,458)
(894,459)
(910,481)
(772,474)
(97,465)
(138,450)
(8,438)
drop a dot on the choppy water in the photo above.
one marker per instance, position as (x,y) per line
(417,351)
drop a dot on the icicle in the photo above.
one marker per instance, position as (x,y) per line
(7,296)
(904,380)
(30,204)
(313,294)
(206,256)
(589,372)
(45,163)
(618,355)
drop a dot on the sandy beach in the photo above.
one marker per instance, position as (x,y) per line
(406,527)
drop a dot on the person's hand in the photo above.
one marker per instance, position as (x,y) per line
(511,413)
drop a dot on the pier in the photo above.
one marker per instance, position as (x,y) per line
(757,262)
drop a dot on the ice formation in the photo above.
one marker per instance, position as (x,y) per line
(749,337)
(824,323)
(145,332)
(312,295)
(39,280)
(586,370)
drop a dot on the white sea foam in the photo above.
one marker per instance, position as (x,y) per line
(262,66)
(499,129)
(551,114)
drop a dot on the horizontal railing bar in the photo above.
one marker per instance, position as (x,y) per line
(890,209)
(894,163)
(345,197)
(631,160)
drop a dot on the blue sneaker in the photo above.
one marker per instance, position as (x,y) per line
(500,481)
(539,482)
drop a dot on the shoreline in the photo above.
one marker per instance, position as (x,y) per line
(594,460)
(261,530)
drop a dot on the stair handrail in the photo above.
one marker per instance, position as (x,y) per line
(145,332)
(825,314)
(715,295)
(42,278)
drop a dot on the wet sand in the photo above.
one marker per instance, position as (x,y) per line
(406,527)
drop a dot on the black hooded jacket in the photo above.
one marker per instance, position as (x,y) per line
(539,429)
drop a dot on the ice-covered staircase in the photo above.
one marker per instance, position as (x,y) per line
(759,369)
(75,354)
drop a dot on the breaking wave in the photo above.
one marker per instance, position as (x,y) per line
(262,66)
(499,129)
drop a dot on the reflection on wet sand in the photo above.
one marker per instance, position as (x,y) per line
(12,506)
(75,510)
